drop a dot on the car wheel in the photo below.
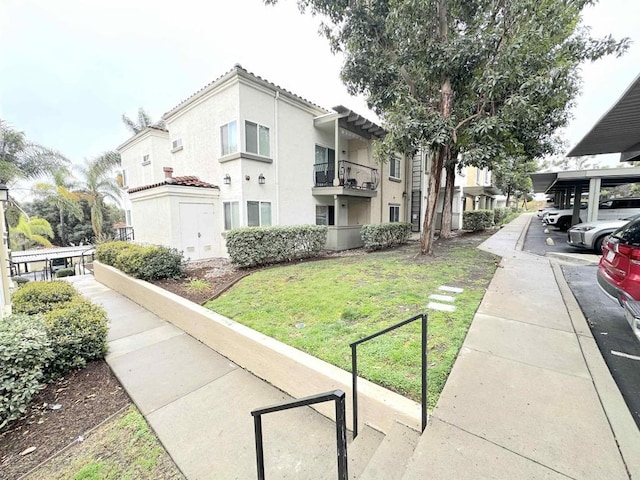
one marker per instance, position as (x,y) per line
(597,245)
(564,224)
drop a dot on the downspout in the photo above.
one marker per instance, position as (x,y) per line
(275,158)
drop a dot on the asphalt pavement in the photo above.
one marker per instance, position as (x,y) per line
(618,346)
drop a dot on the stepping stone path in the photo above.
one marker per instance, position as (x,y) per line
(445,307)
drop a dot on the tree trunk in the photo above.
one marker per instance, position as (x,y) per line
(430,214)
(508,198)
(447,205)
(61,229)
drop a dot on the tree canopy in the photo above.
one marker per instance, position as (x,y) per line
(473,80)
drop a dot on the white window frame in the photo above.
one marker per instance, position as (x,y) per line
(263,153)
(230,136)
(231,215)
(394,168)
(176,145)
(261,221)
(394,207)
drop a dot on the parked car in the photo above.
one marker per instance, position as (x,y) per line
(590,235)
(619,270)
(611,209)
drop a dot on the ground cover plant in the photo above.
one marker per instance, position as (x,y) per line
(322,306)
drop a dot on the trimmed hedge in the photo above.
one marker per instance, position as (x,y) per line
(146,262)
(477,220)
(40,297)
(500,215)
(385,235)
(252,246)
(65,272)
(78,333)
(25,351)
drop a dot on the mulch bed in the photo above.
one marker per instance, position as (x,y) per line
(59,415)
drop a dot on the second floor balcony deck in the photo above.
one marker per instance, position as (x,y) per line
(353,179)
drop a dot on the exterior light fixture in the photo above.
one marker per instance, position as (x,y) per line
(261,179)
(4,193)
(227,179)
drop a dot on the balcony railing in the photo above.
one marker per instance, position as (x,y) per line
(350,175)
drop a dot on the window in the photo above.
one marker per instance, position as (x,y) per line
(122,179)
(127,216)
(394,213)
(258,214)
(146,159)
(394,167)
(257,139)
(231,215)
(325,215)
(176,145)
(228,138)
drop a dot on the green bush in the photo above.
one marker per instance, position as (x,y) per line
(253,246)
(146,262)
(477,220)
(78,332)
(108,252)
(385,235)
(500,215)
(65,272)
(25,352)
(20,281)
(40,297)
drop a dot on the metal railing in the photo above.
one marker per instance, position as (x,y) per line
(354,367)
(337,396)
(354,175)
(323,174)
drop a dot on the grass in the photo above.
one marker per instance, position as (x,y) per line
(320,307)
(137,454)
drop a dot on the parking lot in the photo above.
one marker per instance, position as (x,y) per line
(618,345)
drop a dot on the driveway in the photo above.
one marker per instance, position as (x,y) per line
(619,348)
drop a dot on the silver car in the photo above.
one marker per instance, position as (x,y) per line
(590,235)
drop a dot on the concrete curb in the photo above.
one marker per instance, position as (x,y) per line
(285,367)
(620,420)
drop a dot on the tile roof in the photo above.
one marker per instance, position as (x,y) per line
(238,70)
(186,181)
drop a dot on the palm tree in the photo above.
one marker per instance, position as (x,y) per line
(98,184)
(144,121)
(30,232)
(60,193)
(23,159)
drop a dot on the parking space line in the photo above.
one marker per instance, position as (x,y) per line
(625,355)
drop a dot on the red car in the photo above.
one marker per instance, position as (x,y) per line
(619,270)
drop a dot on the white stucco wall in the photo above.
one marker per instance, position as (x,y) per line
(154,143)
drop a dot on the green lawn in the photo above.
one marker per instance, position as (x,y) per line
(322,306)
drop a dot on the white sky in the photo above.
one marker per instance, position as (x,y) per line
(70,68)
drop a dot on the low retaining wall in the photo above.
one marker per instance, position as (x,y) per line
(285,367)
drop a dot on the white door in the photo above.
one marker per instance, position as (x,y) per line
(197,230)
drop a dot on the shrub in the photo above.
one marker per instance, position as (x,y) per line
(78,332)
(39,297)
(24,354)
(500,215)
(65,272)
(20,281)
(477,220)
(146,262)
(385,235)
(253,246)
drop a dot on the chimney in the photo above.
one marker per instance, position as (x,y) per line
(168,174)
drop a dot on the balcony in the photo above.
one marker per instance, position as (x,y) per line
(353,179)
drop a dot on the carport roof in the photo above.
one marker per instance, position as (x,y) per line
(618,131)
(551,182)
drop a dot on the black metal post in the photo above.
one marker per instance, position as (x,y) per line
(424,371)
(257,424)
(354,388)
(341,438)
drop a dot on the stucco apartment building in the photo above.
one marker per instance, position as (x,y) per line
(244,152)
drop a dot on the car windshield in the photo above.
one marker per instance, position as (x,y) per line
(629,234)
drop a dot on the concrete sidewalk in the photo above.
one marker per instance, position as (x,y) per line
(199,403)
(529,395)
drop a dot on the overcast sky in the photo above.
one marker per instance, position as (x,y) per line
(70,68)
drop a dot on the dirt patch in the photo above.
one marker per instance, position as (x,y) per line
(58,416)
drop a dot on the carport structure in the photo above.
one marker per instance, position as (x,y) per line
(618,131)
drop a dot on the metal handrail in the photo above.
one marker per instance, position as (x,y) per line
(341,426)
(354,368)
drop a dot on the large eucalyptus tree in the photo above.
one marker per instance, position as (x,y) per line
(470,80)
